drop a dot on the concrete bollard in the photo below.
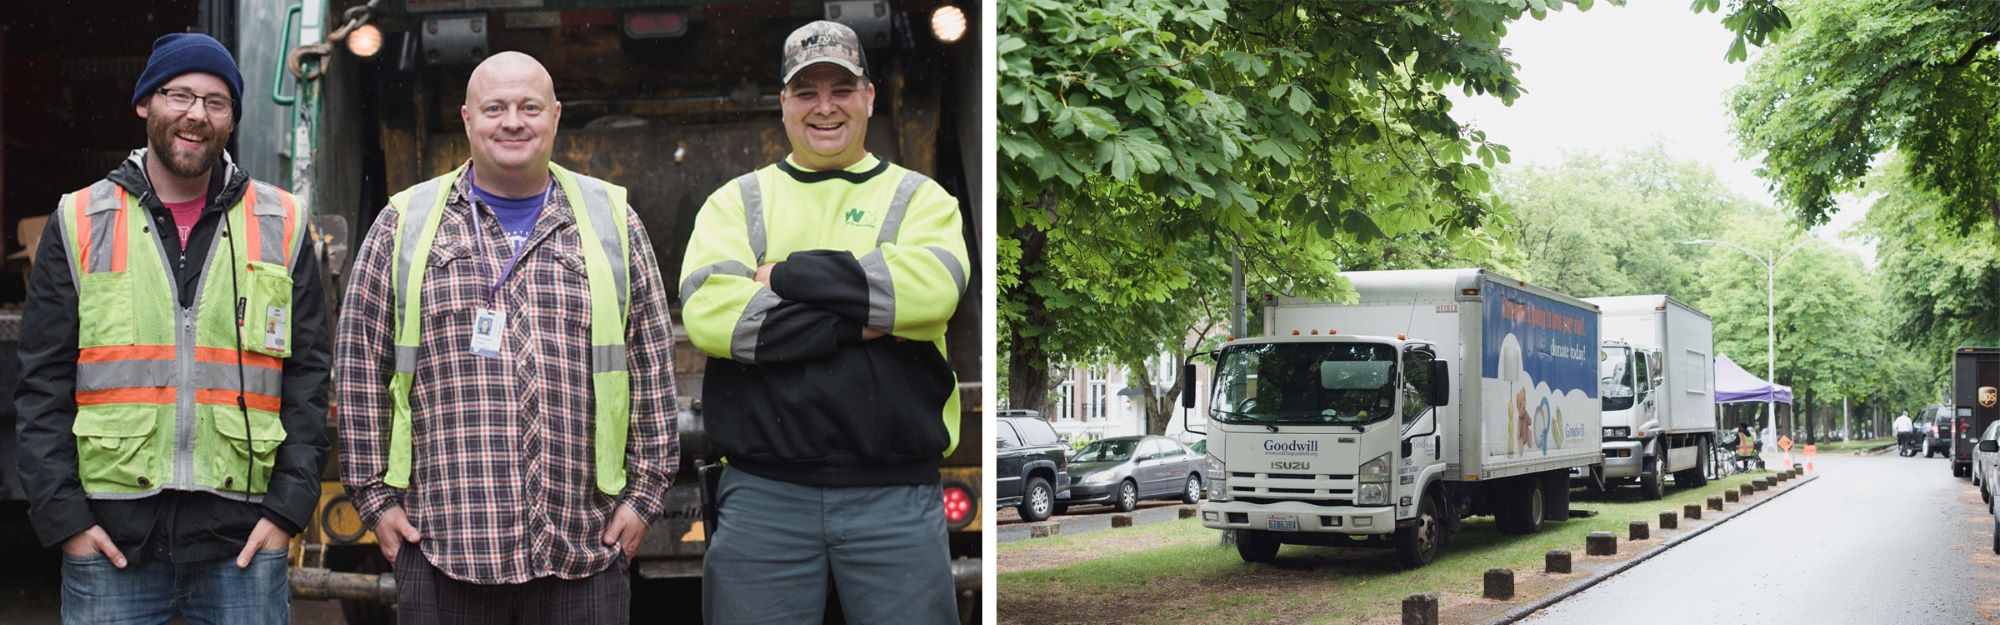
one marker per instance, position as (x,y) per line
(1730,496)
(1187,512)
(1638,530)
(1121,520)
(1558,561)
(1692,511)
(1600,544)
(1761,485)
(1714,503)
(1746,489)
(1044,529)
(1500,584)
(1420,609)
(1669,520)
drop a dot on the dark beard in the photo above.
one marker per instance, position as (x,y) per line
(160,138)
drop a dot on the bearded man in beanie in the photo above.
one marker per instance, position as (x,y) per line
(173,378)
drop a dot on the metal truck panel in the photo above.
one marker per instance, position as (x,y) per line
(1685,338)
(1975,388)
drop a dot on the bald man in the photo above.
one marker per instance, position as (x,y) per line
(504,364)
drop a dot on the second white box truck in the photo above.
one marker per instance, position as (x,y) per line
(1657,372)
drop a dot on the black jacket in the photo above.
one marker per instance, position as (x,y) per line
(174,526)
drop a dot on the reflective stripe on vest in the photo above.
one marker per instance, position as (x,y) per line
(881,295)
(603,236)
(157,394)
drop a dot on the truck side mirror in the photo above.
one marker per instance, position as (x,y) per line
(1187,385)
(1439,393)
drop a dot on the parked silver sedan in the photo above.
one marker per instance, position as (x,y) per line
(1121,471)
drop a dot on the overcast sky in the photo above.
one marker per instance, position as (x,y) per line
(1620,78)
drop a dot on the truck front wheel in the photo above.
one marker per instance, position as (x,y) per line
(1652,485)
(1417,544)
(1256,546)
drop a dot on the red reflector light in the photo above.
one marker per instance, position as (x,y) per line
(655,24)
(957,505)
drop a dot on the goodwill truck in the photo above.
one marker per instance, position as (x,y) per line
(1437,395)
(1656,372)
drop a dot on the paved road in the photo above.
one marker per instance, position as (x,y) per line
(1880,539)
(1088,519)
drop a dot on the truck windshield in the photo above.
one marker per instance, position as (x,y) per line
(1309,383)
(1614,377)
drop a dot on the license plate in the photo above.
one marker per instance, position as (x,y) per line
(1282,523)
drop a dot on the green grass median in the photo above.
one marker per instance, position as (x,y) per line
(1853,446)
(1178,572)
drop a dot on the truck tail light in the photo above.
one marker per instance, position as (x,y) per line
(957,506)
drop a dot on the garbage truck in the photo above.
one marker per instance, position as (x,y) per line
(1656,370)
(1437,395)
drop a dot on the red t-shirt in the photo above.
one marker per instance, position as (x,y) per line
(185,214)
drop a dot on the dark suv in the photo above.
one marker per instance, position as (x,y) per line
(1936,422)
(1033,463)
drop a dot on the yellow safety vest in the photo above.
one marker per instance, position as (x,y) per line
(600,220)
(170,397)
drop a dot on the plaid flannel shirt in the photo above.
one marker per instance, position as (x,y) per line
(503,484)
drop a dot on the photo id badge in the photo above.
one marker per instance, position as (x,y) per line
(486,328)
(274,329)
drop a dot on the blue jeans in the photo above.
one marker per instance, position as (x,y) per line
(210,592)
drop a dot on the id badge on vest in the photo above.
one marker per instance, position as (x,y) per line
(487,326)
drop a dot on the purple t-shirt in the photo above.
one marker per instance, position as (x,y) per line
(517,215)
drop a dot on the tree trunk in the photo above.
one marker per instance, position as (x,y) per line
(1158,403)
(1811,412)
(1027,355)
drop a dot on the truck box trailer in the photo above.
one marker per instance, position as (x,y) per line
(1975,400)
(1438,394)
(1656,369)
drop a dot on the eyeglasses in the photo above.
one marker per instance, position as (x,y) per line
(181,101)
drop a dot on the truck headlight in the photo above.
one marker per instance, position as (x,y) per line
(1373,495)
(1218,479)
(1374,482)
(1617,432)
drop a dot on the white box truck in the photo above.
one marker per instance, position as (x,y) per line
(1439,394)
(1656,369)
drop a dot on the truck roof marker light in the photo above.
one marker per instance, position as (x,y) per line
(1331,331)
(1295,332)
(1470,292)
(1402,337)
(1315,332)
(1661,308)
(948,23)
(365,41)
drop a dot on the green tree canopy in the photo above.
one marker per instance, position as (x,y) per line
(1842,82)
(1180,134)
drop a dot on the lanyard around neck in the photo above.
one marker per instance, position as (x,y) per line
(493,292)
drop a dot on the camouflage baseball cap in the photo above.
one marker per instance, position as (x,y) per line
(824,42)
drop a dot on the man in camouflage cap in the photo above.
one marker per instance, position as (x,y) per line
(820,287)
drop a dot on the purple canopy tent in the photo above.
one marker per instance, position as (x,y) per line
(1734,385)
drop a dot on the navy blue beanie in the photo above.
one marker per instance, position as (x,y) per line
(180,53)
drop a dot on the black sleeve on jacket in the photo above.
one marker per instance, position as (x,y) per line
(830,279)
(45,398)
(796,331)
(293,492)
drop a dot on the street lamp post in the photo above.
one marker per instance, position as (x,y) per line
(1770,318)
